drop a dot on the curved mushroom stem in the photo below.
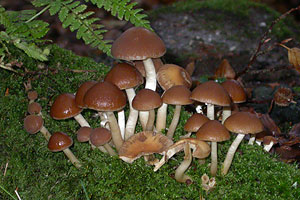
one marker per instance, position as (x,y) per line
(161,117)
(251,140)
(115,130)
(214,159)
(230,153)
(72,158)
(179,173)
(133,115)
(174,122)
(268,147)
(226,113)
(150,123)
(109,150)
(81,120)
(210,111)
(150,74)
(121,122)
(45,133)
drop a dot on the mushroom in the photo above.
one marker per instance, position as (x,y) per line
(34,108)
(211,93)
(60,141)
(65,107)
(241,123)
(269,141)
(143,143)
(100,137)
(83,135)
(34,124)
(168,76)
(106,97)
(213,131)
(194,123)
(139,43)
(81,91)
(32,96)
(147,100)
(180,176)
(177,95)
(126,77)
(225,70)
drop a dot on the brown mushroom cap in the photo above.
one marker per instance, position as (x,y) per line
(213,131)
(83,88)
(105,96)
(124,76)
(139,65)
(138,43)
(177,95)
(268,139)
(59,141)
(100,136)
(225,70)
(33,123)
(64,107)
(83,134)
(143,143)
(195,122)
(243,123)
(169,75)
(146,99)
(32,95)
(34,108)
(235,91)
(212,93)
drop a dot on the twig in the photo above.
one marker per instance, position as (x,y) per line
(263,40)
(5,169)
(16,191)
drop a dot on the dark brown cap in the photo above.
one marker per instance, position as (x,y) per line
(32,95)
(235,91)
(100,136)
(169,75)
(211,92)
(146,99)
(59,141)
(83,134)
(177,95)
(195,122)
(34,108)
(213,131)
(64,107)
(225,70)
(105,96)
(124,76)
(33,123)
(83,88)
(138,43)
(243,123)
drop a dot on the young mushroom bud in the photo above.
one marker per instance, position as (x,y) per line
(34,124)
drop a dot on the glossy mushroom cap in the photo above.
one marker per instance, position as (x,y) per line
(225,70)
(213,131)
(169,75)
(138,43)
(143,143)
(33,123)
(100,136)
(235,91)
(244,123)
(146,99)
(105,96)
(34,108)
(64,107)
(124,76)
(212,93)
(83,134)
(139,65)
(195,122)
(59,141)
(83,88)
(177,95)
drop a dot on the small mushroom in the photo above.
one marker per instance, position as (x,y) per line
(100,137)
(32,96)
(34,108)
(269,141)
(34,124)
(194,123)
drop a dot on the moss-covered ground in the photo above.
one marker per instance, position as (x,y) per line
(27,164)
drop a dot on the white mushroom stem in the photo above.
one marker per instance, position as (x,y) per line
(143,116)
(150,74)
(258,142)
(150,123)
(186,135)
(226,113)
(72,157)
(268,147)
(174,122)
(121,122)
(133,115)
(214,159)
(210,111)
(251,140)
(231,152)
(179,173)
(80,119)
(109,150)
(161,117)
(104,121)
(115,130)
(45,133)
(199,109)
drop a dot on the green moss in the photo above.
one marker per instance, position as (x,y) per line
(41,174)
